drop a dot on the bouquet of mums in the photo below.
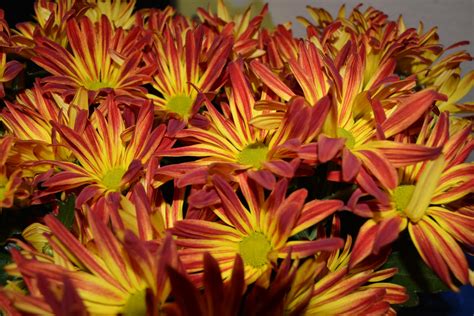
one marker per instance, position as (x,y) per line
(158,164)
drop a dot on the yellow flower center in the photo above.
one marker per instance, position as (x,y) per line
(112,178)
(97,85)
(350,140)
(254,249)
(136,304)
(181,105)
(402,196)
(254,155)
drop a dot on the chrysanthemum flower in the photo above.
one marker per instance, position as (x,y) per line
(231,296)
(8,71)
(51,18)
(233,138)
(148,216)
(113,275)
(445,76)
(357,120)
(9,182)
(180,74)
(109,59)
(260,233)
(424,202)
(119,12)
(109,156)
(412,50)
(29,119)
(242,27)
(329,287)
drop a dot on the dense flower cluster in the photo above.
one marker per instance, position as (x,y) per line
(216,165)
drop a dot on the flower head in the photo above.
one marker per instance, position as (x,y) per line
(181,74)
(260,233)
(422,202)
(109,154)
(109,59)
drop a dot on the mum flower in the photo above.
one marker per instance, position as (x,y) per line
(180,74)
(327,286)
(109,59)
(233,139)
(9,182)
(242,27)
(362,113)
(424,202)
(260,233)
(110,156)
(119,12)
(51,18)
(113,276)
(29,121)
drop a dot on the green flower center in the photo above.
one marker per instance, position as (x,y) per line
(136,304)
(402,196)
(112,178)
(254,249)
(3,190)
(350,140)
(97,85)
(254,155)
(181,105)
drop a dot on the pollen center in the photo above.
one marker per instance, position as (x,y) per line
(180,104)
(254,249)
(254,155)
(97,85)
(402,196)
(136,304)
(344,133)
(112,178)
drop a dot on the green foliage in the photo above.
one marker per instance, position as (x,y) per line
(414,275)
(66,211)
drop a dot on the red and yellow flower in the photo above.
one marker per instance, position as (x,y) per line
(51,18)
(110,156)
(233,138)
(119,12)
(363,113)
(241,27)
(259,233)
(109,59)
(424,201)
(112,275)
(185,67)
(9,181)
(330,287)
(29,121)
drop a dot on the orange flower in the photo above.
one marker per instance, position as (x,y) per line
(424,201)
(260,233)
(185,67)
(108,162)
(109,59)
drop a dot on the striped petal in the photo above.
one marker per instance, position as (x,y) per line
(409,111)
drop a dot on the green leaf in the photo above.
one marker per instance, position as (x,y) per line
(414,275)
(66,211)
